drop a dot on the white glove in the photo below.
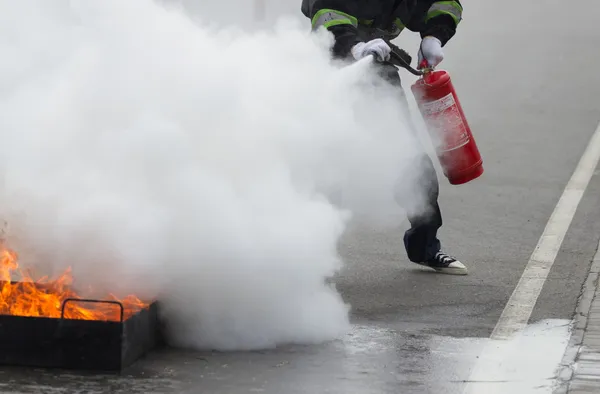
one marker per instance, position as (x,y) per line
(377,46)
(431,51)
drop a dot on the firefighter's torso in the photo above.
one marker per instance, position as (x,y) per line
(376,18)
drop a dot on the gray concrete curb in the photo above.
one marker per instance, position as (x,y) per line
(579,371)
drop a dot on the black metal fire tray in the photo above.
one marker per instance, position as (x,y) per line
(109,346)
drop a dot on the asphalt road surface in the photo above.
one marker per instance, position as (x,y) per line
(525,72)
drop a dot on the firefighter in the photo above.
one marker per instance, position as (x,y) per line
(366,27)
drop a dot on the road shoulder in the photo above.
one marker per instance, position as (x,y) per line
(580,367)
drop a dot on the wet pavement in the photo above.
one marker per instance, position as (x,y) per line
(369,360)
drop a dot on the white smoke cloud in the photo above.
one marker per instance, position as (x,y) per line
(159,156)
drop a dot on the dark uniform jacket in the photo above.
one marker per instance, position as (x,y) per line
(353,21)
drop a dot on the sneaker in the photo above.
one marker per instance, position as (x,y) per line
(446,264)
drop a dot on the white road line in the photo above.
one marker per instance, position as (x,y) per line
(496,356)
(522,301)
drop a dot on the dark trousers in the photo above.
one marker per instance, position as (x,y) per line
(421,241)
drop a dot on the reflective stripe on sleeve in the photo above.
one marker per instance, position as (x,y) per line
(328,18)
(451,8)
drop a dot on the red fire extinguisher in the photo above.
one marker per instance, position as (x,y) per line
(448,127)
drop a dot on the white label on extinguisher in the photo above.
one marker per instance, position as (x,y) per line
(443,118)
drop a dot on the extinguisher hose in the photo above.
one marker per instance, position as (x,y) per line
(399,61)
(399,58)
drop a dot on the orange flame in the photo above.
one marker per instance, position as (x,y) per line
(44,298)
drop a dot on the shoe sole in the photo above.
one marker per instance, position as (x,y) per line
(447,270)
(451,271)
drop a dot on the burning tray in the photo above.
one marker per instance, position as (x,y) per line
(79,342)
(45,323)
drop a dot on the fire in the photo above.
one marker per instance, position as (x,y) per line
(45,298)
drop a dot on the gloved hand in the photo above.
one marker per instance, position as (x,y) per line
(431,51)
(377,46)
